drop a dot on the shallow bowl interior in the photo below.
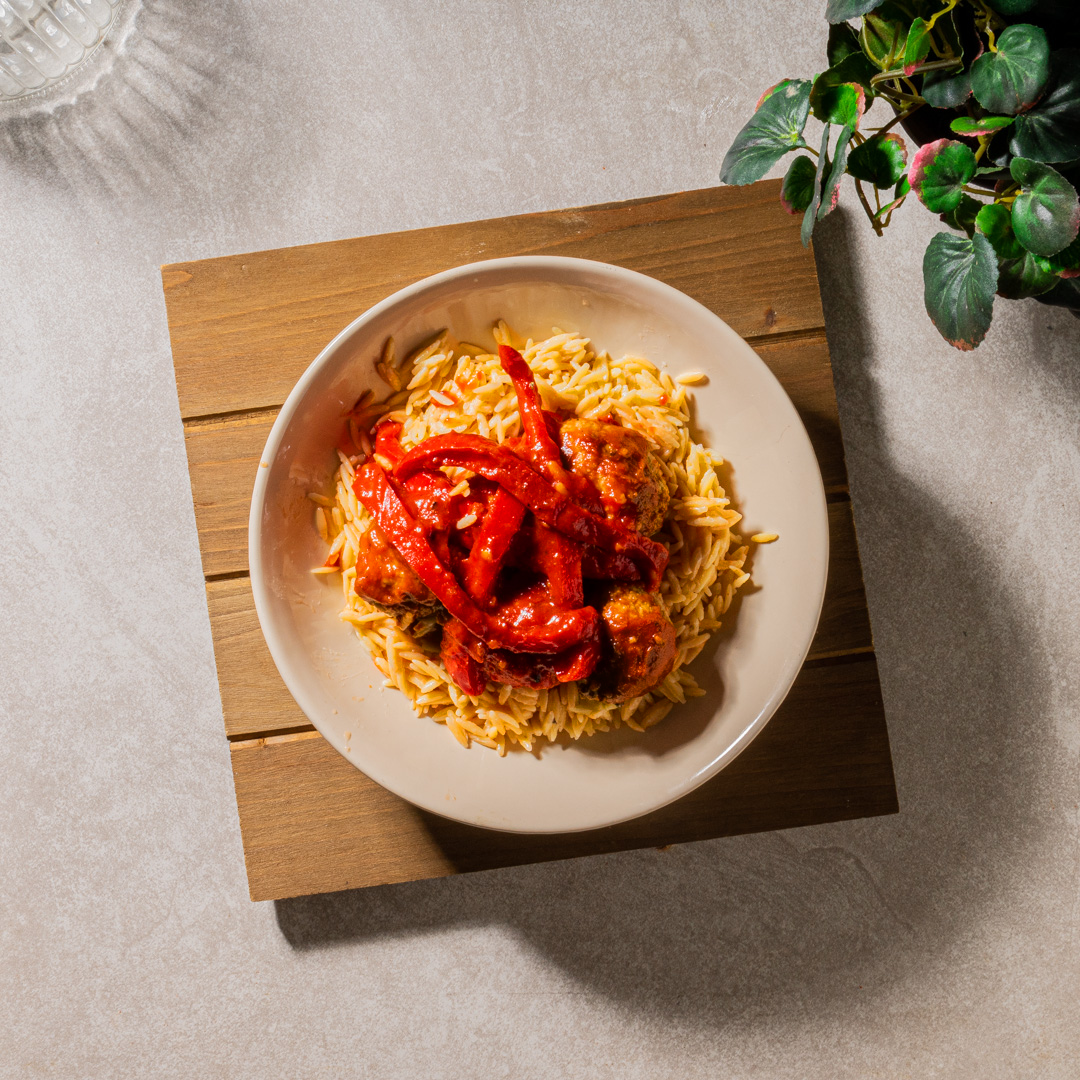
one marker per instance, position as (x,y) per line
(742,412)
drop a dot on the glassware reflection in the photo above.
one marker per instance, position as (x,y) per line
(41,41)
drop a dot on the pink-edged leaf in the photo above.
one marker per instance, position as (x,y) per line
(880,161)
(986,125)
(960,277)
(939,172)
(765,94)
(798,189)
(917,46)
(842,104)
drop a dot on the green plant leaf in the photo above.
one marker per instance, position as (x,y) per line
(852,69)
(1066,263)
(842,105)
(966,125)
(843,42)
(884,34)
(798,187)
(994,221)
(917,46)
(880,161)
(770,133)
(1023,277)
(1011,79)
(815,199)
(1051,130)
(963,217)
(1019,272)
(830,191)
(839,11)
(938,173)
(960,276)
(1046,213)
(946,89)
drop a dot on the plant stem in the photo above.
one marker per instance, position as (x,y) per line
(899,118)
(989,15)
(944,11)
(875,224)
(930,65)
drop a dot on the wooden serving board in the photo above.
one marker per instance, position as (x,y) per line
(243,330)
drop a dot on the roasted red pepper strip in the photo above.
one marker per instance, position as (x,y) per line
(533,420)
(427,498)
(578,662)
(541,432)
(559,631)
(501,525)
(600,565)
(554,508)
(387,444)
(558,558)
(460,666)
(470,663)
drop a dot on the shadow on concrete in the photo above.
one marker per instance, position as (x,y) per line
(782,924)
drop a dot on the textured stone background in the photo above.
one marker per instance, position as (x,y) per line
(938,943)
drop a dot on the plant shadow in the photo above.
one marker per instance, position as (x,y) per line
(788,923)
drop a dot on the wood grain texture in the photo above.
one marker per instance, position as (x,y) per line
(223,457)
(245,327)
(313,823)
(255,700)
(804,370)
(253,696)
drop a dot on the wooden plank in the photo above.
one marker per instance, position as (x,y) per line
(844,626)
(255,700)
(311,822)
(223,454)
(253,696)
(805,372)
(223,457)
(245,327)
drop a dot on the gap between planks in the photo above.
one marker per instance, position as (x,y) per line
(256,704)
(814,335)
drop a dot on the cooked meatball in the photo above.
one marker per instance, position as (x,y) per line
(617,460)
(639,645)
(386,579)
(652,499)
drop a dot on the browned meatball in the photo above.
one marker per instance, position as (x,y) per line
(617,460)
(386,579)
(639,645)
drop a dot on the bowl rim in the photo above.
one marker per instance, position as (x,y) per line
(281,654)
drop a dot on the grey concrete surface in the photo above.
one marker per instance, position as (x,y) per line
(941,942)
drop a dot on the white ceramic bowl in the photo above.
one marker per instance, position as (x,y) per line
(747,670)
